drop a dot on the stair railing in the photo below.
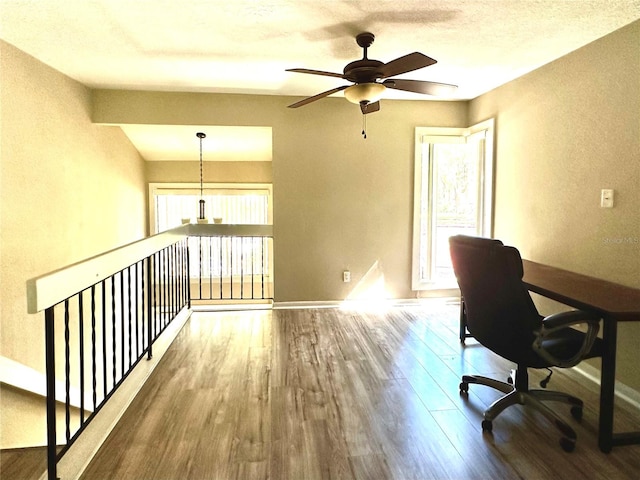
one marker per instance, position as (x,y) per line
(103,315)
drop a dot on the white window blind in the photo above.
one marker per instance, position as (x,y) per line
(233,206)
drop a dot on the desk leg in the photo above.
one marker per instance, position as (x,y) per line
(607,384)
(463,320)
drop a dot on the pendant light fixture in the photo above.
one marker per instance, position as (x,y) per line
(201,217)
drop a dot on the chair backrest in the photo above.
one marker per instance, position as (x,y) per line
(500,312)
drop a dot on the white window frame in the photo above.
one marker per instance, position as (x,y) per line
(485,202)
(194,188)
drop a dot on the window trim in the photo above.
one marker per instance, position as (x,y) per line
(486,201)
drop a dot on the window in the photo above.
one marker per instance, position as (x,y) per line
(219,258)
(175,204)
(453,194)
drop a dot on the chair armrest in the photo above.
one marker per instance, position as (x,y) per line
(566,319)
(559,321)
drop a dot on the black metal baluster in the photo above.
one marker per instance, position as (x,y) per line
(143,310)
(167,279)
(170,273)
(169,283)
(122,326)
(176,274)
(156,294)
(181,273)
(160,294)
(170,312)
(211,270)
(174,282)
(67,371)
(159,289)
(200,268)
(50,354)
(113,328)
(221,266)
(188,277)
(136,309)
(242,244)
(93,347)
(104,338)
(253,265)
(186,300)
(130,314)
(149,307)
(180,278)
(231,239)
(165,288)
(81,340)
(262,267)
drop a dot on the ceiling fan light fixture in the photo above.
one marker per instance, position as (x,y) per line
(364,92)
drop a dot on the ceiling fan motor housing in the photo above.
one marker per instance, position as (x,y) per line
(363,71)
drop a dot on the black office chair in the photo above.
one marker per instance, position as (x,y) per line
(501,315)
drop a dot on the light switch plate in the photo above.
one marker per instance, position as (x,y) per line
(606,198)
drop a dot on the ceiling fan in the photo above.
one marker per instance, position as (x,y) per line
(365,74)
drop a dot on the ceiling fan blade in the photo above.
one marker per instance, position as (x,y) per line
(408,63)
(315,72)
(317,97)
(419,86)
(369,107)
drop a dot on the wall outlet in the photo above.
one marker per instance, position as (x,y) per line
(346,276)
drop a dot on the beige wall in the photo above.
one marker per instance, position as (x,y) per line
(343,202)
(69,189)
(339,201)
(566,131)
(222,172)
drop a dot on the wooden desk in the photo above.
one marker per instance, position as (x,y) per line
(614,303)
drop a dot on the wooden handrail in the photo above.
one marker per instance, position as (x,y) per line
(52,288)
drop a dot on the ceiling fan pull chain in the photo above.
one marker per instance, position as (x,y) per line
(364,126)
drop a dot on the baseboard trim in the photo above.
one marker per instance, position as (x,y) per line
(622,391)
(393,302)
(305,304)
(232,307)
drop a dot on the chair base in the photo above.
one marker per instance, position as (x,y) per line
(519,395)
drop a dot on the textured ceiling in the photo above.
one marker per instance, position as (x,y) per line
(244,46)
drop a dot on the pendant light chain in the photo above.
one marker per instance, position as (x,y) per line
(200,167)
(201,135)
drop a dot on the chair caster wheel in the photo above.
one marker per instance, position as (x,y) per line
(576,412)
(487,426)
(464,387)
(567,444)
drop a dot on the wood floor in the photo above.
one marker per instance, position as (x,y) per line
(336,394)
(23,463)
